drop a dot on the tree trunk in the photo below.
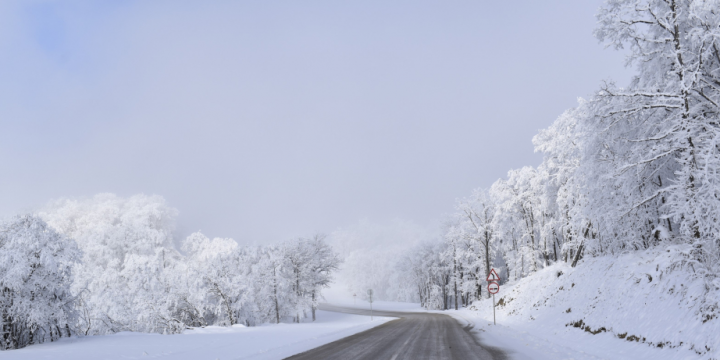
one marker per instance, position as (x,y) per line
(444,292)
(577,254)
(277,306)
(455,276)
(455,297)
(313,305)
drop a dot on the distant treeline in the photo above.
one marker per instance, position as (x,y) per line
(109,264)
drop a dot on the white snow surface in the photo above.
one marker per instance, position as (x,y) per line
(614,293)
(265,342)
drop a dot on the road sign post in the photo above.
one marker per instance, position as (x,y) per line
(493,288)
(370,295)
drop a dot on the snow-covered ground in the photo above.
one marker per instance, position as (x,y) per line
(631,307)
(213,342)
(542,341)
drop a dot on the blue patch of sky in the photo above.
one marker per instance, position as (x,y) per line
(64,32)
(48,29)
(61,35)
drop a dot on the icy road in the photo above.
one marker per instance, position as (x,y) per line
(415,336)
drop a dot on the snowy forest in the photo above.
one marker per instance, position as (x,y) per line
(628,169)
(109,264)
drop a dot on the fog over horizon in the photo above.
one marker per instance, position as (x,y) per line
(264,121)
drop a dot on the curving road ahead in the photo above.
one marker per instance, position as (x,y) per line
(415,336)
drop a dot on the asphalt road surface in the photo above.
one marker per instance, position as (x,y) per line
(415,336)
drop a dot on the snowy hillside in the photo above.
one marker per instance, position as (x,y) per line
(604,304)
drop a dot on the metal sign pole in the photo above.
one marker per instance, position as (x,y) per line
(494,310)
(493,288)
(370,295)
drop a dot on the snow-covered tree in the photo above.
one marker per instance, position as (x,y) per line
(127,245)
(662,130)
(477,213)
(370,254)
(109,264)
(35,279)
(425,271)
(313,262)
(562,197)
(218,278)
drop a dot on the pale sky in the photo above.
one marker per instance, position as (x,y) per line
(265,120)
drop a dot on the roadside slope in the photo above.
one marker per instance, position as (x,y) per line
(642,305)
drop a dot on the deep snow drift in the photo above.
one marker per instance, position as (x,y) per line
(625,307)
(212,342)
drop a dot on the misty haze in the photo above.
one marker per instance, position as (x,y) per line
(360,180)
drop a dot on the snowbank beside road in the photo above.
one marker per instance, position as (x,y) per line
(625,307)
(213,342)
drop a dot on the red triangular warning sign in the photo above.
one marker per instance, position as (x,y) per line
(493,276)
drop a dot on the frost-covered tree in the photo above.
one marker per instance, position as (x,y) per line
(518,220)
(35,279)
(127,246)
(564,193)
(133,278)
(109,264)
(370,254)
(477,214)
(275,284)
(452,257)
(424,269)
(313,263)
(217,278)
(660,134)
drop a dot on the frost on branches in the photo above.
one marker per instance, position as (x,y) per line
(629,169)
(109,264)
(659,137)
